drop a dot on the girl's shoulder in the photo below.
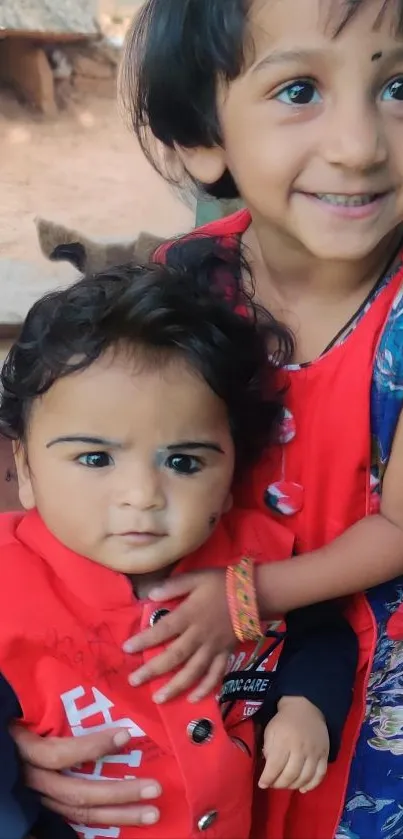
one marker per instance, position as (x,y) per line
(223,228)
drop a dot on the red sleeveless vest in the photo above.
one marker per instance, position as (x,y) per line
(64,620)
(320,478)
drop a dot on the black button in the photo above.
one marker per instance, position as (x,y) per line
(200,731)
(207,820)
(157,615)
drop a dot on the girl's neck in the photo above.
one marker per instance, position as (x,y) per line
(314,298)
(283,272)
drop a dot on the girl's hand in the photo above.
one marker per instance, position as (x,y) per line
(203,633)
(80,801)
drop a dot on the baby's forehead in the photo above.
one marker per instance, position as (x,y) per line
(121,397)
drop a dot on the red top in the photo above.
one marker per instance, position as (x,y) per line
(317,489)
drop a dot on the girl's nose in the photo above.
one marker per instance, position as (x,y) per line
(355,137)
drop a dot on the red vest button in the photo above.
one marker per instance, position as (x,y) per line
(207,820)
(284,497)
(200,731)
(157,615)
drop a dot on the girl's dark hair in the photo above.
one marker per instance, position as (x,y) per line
(175,52)
(190,310)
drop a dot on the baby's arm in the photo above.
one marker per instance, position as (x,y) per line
(311,698)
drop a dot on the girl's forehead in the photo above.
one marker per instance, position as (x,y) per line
(273,19)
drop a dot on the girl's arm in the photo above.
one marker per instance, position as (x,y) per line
(367,554)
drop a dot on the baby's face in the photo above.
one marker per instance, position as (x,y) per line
(129,464)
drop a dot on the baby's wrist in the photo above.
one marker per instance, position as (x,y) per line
(299,702)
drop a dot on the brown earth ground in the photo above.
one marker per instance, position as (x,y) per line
(83,169)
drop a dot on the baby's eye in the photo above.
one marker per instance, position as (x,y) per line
(393,92)
(95,460)
(301,92)
(184,464)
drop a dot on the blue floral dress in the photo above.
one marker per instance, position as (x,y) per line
(374,801)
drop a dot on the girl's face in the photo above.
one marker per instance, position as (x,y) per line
(313,127)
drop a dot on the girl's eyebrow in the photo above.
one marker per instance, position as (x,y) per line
(389,58)
(285,57)
(86,440)
(289,56)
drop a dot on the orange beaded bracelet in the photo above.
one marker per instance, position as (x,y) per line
(242,602)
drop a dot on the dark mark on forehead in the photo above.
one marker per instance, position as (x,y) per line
(376,56)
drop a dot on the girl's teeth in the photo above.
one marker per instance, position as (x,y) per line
(346,200)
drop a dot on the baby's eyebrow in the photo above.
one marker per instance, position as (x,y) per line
(181,445)
(191,445)
(86,440)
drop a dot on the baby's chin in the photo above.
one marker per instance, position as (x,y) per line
(140,563)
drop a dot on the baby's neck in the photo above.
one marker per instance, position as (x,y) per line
(142,584)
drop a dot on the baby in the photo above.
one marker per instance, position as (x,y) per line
(134,398)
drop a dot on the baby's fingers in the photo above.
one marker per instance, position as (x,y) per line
(274,767)
(290,773)
(317,778)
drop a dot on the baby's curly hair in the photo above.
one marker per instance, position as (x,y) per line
(196,310)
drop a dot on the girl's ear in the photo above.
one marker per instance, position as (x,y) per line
(203,164)
(25,488)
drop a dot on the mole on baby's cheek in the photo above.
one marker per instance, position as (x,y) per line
(213,521)
(376,56)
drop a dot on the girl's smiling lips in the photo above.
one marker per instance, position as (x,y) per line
(358,205)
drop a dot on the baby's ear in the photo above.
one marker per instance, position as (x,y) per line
(25,488)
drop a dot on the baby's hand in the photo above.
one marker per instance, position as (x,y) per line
(296,746)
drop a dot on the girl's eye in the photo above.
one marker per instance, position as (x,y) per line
(184,464)
(299,93)
(95,460)
(393,92)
